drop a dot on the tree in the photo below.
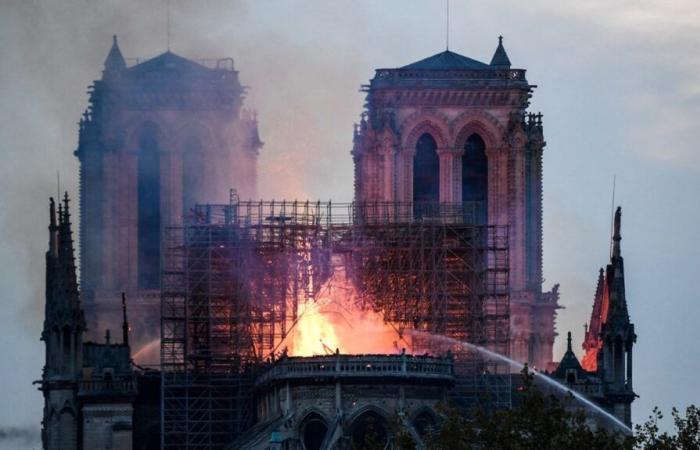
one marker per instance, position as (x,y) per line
(687,431)
(541,422)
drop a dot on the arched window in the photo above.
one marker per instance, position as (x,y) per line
(424,423)
(475,175)
(426,175)
(149,209)
(370,431)
(313,431)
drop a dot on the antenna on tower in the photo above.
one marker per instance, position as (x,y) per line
(612,216)
(167,13)
(447,25)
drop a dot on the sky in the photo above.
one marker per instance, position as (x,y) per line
(618,84)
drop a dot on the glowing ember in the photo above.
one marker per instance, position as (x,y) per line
(337,321)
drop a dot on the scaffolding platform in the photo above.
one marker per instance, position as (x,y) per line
(234,276)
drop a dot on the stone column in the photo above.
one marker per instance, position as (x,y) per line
(108,239)
(450,175)
(517,219)
(404,177)
(170,188)
(388,155)
(629,367)
(131,218)
(497,158)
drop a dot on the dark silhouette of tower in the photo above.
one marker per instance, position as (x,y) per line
(64,325)
(605,372)
(616,335)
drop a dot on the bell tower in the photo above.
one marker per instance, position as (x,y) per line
(157,137)
(451,133)
(64,326)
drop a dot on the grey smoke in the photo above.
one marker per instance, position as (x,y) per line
(23,435)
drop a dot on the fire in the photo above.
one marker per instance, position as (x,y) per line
(336,321)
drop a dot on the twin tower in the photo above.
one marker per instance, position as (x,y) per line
(444,132)
(454,132)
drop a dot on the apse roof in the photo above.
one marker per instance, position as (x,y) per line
(447,60)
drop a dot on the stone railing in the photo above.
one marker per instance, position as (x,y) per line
(339,366)
(107,387)
(466,74)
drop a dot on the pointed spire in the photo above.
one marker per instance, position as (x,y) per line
(66,212)
(66,252)
(616,234)
(500,57)
(125,323)
(115,61)
(568,342)
(53,229)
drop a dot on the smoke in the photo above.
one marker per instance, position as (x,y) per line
(19,437)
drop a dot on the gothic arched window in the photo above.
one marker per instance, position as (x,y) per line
(426,175)
(370,430)
(313,431)
(475,174)
(149,209)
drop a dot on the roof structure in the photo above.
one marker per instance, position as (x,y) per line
(169,62)
(115,61)
(500,57)
(568,362)
(447,60)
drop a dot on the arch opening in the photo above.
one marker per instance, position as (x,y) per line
(370,431)
(426,176)
(149,225)
(313,432)
(424,423)
(475,176)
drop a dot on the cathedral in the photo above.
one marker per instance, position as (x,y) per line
(447,214)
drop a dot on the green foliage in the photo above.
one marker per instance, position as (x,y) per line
(402,437)
(541,422)
(687,431)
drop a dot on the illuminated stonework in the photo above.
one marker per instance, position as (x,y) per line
(453,130)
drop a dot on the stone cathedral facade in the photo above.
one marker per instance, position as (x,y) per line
(455,132)
(158,137)
(447,135)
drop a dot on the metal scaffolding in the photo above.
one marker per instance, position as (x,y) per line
(234,277)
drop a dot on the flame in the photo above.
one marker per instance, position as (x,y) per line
(336,320)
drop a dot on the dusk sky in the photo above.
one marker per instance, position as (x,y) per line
(618,84)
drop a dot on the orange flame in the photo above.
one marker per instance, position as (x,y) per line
(336,321)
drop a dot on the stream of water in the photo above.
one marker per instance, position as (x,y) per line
(537,375)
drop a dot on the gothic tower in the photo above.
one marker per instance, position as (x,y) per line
(158,137)
(64,325)
(452,132)
(610,335)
